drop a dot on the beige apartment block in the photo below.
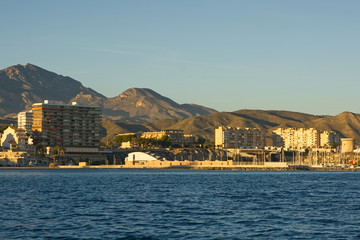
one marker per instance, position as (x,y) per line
(300,138)
(329,139)
(296,138)
(234,137)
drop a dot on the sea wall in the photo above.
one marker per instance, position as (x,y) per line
(201,164)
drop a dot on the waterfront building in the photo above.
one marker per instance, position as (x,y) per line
(233,137)
(138,157)
(15,138)
(296,138)
(25,120)
(176,136)
(347,145)
(56,124)
(301,138)
(329,139)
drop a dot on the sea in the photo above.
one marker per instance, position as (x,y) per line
(178,204)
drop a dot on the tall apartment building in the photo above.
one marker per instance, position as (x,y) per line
(56,124)
(232,137)
(329,139)
(25,120)
(300,138)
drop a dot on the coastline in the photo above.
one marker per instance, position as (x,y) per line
(232,168)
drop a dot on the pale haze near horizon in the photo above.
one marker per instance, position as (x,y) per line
(228,55)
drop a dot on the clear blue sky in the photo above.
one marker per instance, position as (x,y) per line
(273,54)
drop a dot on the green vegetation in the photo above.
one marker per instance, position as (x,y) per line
(144,142)
(58,150)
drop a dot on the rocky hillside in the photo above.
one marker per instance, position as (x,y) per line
(21,86)
(145,105)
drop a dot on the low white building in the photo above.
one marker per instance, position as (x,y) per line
(140,157)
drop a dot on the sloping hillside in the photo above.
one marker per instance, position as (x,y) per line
(143,105)
(21,86)
(346,123)
(265,120)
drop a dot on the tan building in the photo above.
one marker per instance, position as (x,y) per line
(347,145)
(176,136)
(75,125)
(296,138)
(329,139)
(300,138)
(232,137)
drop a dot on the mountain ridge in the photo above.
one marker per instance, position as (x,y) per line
(23,85)
(146,110)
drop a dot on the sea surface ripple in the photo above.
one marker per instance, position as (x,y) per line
(169,204)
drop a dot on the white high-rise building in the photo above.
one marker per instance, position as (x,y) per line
(25,120)
(300,138)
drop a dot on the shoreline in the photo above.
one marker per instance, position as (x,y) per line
(237,168)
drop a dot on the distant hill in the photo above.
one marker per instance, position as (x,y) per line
(21,86)
(266,120)
(347,124)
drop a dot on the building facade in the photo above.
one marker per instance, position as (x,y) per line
(329,139)
(74,125)
(300,138)
(347,145)
(232,137)
(176,136)
(25,120)
(13,137)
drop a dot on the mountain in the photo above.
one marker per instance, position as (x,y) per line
(141,109)
(21,86)
(144,105)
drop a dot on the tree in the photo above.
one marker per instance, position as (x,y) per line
(58,150)
(165,141)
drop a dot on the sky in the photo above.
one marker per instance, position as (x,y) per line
(300,55)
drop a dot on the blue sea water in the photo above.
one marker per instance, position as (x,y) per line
(167,204)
